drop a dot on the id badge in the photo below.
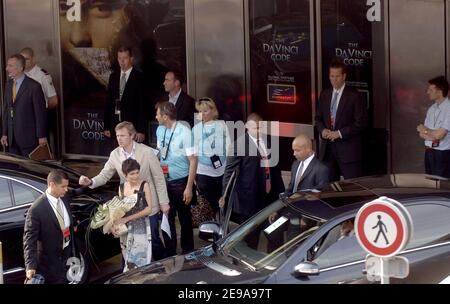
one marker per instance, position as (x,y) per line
(165,170)
(66,237)
(435,143)
(117,107)
(215,160)
(163,153)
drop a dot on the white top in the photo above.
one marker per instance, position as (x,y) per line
(53,201)
(173,100)
(44,78)
(438,116)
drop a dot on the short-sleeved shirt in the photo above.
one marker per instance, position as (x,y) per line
(210,139)
(44,78)
(438,116)
(179,143)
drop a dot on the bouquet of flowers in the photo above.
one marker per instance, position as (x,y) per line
(111,211)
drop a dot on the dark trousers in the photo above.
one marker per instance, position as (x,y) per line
(437,162)
(175,190)
(337,168)
(158,250)
(211,188)
(15,149)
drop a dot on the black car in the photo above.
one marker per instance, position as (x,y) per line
(21,182)
(301,238)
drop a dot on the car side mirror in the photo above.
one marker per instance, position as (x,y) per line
(305,269)
(210,231)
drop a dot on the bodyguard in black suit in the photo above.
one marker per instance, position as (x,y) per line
(24,113)
(341,117)
(184,103)
(48,233)
(126,97)
(307,171)
(252,192)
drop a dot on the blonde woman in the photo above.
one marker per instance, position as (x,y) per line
(210,136)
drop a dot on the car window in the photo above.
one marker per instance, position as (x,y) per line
(431,224)
(338,246)
(24,194)
(5,197)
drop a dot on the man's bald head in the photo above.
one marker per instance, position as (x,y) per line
(302,147)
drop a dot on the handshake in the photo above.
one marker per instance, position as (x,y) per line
(85,181)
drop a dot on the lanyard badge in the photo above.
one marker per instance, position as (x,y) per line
(66,237)
(216,162)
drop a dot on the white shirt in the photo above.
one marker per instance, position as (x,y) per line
(129,155)
(261,147)
(173,100)
(298,174)
(53,201)
(44,78)
(127,74)
(438,116)
(340,91)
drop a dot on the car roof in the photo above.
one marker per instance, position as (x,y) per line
(350,195)
(25,166)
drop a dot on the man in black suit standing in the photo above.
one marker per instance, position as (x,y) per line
(258,184)
(341,117)
(48,232)
(126,97)
(184,103)
(24,113)
(307,171)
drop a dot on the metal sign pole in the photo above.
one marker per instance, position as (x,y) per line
(384,273)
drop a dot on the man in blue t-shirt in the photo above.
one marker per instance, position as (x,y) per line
(179,164)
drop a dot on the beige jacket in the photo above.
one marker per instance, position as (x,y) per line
(150,171)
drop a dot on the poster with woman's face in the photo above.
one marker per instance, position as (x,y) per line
(91,33)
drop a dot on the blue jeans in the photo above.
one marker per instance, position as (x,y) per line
(158,248)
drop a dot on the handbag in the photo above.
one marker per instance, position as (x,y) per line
(202,211)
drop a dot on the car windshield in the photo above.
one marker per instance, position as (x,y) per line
(269,238)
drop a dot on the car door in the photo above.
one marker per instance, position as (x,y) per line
(12,221)
(10,224)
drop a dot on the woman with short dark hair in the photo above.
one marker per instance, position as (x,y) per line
(136,242)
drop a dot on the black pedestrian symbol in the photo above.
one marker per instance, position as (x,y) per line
(380,226)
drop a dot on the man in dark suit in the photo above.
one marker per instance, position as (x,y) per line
(258,184)
(48,233)
(126,97)
(184,103)
(341,117)
(307,171)
(24,113)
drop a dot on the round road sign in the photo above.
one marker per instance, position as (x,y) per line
(383,227)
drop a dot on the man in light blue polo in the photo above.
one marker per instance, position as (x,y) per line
(179,164)
(435,130)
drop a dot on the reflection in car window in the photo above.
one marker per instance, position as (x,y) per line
(341,252)
(268,239)
(24,194)
(5,197)
(431,224)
